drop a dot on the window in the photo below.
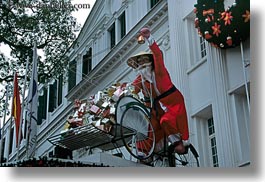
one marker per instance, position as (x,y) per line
(242,125)
(60,90)
(3,149)
(42,111)
(212,140)
(153,3)
(112,35)
(55,97)
(122,25)
(11,137)
(87,63)
(202,47)
(196,44)
(71,75)
(52,96)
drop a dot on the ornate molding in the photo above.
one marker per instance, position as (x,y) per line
(166,42)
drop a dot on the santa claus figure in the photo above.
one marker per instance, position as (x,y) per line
(169,117)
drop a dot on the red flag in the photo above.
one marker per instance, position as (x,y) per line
(16,110)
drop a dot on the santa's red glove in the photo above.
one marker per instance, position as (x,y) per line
(145,32)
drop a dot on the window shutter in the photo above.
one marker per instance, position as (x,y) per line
(42,108)
(60,90)
(71,75)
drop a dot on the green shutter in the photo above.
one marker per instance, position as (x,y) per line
(3,149)
(53,96)
(85,65)
(112,35)
(90,59)
(42,108)
(60,90)
(11,136)
(153,3)
(72,75)
(123,24)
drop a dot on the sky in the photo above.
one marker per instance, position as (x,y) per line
(82,14)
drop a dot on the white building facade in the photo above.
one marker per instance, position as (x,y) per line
(214,82)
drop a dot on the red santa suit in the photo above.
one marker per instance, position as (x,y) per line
(169,112)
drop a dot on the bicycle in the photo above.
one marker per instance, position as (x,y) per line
(134,116)
(132,128)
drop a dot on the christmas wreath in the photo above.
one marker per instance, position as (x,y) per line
(223,28)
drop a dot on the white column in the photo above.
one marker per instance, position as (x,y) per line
(106,42)
(79,67)
(94,53)
(178,58)
(117,29)
(177,40)
(220,105)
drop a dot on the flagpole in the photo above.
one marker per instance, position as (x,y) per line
(29,128)
(22,109)
(27,132)
(33,100)
(2,130)
(11,120)
(1,145)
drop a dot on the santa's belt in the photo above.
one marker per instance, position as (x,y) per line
(163,95)
(166,93)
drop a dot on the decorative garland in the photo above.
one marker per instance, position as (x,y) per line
(223,28)
(52,162)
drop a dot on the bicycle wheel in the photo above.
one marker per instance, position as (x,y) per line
(190,159)
(122,105)
(137,132)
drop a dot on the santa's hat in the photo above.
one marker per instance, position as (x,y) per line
(132,61)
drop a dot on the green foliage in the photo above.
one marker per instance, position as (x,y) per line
(52,27)
(49,23)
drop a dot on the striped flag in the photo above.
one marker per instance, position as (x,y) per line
(16,110)
(32,107)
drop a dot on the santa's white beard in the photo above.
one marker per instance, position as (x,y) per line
(145,71)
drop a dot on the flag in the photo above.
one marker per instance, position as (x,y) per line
(1,133)
(16,110)
(32,107)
